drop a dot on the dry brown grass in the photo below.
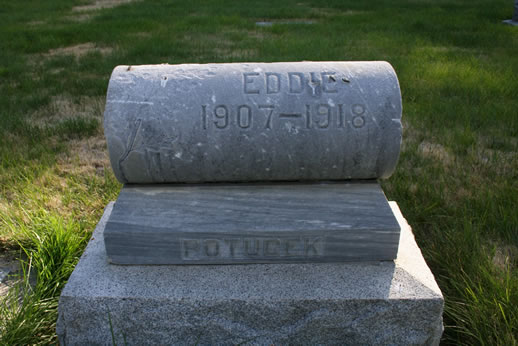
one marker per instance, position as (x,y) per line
(457,183)
(208,39)
(234,53)
(86,12)
(64,107)
(100,4)
(142,34)
(78,50)
(87,156)
(56,187)
(437,152)
(505,256)
(80,16)
(219,45)
(329,12)
(36,22)
(258,34)
(301,20)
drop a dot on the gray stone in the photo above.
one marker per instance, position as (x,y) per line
(3,273)
(251,223)
(514,19)
(9,264)
(385,303)
(253,122)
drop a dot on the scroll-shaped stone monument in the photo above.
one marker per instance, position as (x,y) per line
(252,122)
(268,165)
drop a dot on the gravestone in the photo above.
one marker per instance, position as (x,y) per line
(265,177)
(252,122)
(514,19)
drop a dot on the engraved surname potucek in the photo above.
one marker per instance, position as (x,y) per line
(233,248)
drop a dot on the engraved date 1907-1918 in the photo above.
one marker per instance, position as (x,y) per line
(266,116)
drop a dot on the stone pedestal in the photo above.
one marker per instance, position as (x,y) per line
(386,302)
(251,223)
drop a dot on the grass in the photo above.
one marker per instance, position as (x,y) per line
(52,246)
(456,181)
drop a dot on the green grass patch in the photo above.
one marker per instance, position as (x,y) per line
(79,127)
(52,247)
(456,182)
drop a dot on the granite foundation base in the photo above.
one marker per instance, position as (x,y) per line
(385,302)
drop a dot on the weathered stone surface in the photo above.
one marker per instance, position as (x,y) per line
(370,303)
(253,122)
(251,223)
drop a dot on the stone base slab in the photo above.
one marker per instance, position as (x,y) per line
(384,302)
(251,223)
